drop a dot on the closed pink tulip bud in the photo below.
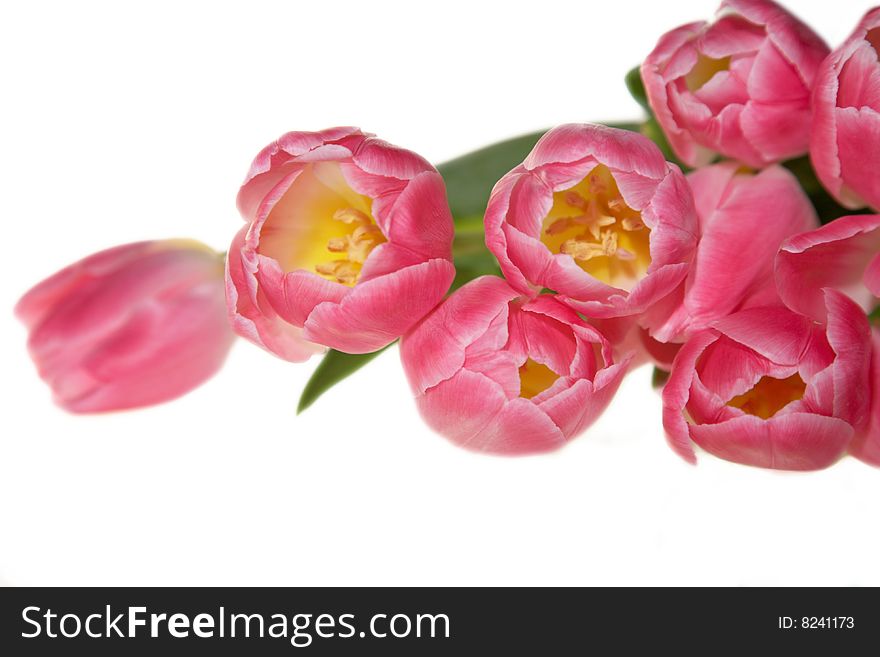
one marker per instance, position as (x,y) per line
(843,254)
(598,216)
(739,86)
(495,372)
(846,118)
(772,388)
(135,325)
(348,244)
(744,218)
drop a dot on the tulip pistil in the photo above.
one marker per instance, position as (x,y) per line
(769,396)
(593,224)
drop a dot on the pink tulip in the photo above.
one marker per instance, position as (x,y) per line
(845,137)
(495,372)
(866,447)
(739,86)
(135,325)
(348,244)
(744,218)
(771,388)
(843,254)
(598,216)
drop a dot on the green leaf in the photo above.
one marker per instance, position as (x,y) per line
(636,88)
(470,178)
(335,366)
(659,378)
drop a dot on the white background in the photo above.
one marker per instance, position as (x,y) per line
(123,122)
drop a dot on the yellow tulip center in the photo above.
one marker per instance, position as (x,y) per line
(593,224)
(535,378)
(321,224)
(704,70)
(769,396)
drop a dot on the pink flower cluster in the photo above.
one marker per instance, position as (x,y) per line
(610,257)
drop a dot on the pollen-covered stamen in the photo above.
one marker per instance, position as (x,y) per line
(356,245)
(584,250)
(593,224)
(575,200)
(351,216)
(343,271)
(632,223)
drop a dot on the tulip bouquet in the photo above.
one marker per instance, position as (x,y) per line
(727,240)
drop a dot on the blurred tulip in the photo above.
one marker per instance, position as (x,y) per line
(131,326)
(348,244)
(845,139)
(739,86)
(771,388)
(598,216)
(498,373)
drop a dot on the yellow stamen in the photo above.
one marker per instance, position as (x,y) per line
(769,396)
(606,237)
(356,245)
(350,216)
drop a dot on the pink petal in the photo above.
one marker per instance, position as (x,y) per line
(474,413)
(162,352)
(775,333)
(676,393)
(419,219)
(274,162)
(866,445)
(771,205)
(431,353)
(778,131)
(657,73)
(294,295)
(793,441)
(578,407)
(527,204)
(858,139)
(860,79)
(252,315)
(44,296)
(849,335)
(378,311)
(774,79)
(617,149)
(837,255)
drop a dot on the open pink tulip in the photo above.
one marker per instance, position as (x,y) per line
(771,388)
(348,244)
(739,86)
(498,373)
(132,326)
(846,117)
(598,216)
(843,254)
(744,218)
